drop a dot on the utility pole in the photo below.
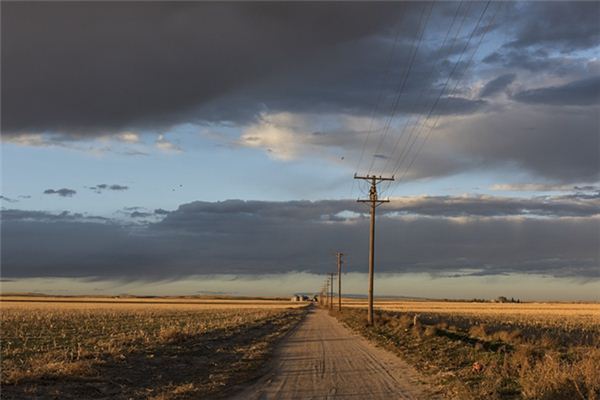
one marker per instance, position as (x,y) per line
(331,292)
(339,267)
(375,201)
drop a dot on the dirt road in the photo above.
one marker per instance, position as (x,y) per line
(322,359)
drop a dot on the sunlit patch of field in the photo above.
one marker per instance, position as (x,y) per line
(129,349)
(140,303)
(492,350)
(576,314)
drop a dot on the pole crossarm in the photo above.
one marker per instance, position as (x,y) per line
(378,201)
(377,178)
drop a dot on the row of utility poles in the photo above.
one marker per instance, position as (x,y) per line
(374,202)
(326,298)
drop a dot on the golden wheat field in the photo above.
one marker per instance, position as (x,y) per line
(73,347)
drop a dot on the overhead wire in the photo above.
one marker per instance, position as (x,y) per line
(420,126)
(434,125)
(422,119)
(430,73)
(421,28)
(375,109)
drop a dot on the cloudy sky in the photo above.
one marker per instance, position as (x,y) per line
(172,148)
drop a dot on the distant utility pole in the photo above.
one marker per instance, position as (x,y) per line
(331,292)
(339,266)
(375,201)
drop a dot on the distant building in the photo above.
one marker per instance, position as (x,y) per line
(503,299)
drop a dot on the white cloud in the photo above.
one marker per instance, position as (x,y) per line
(128,137)
(29,139)
(282,135)
(164,144)
(289,136)
(95,146)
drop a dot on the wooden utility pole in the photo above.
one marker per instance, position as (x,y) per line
(339,267)
(331,292)
(375,201)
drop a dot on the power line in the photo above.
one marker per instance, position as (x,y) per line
(421,28)
(421,128)
(430,73)
(422,118)
(434,125)
(416,128)
(381,85)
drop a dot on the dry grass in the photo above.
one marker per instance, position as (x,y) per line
(500,352)
(135,350)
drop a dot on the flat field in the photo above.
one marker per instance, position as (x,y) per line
(136,348)
(492,350)
(582,312)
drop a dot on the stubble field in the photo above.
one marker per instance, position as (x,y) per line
(492,350)
(136,348)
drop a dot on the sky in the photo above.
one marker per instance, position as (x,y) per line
(182,147)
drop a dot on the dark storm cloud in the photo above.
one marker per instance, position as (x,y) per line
(140,214)
(8,199)
(217,62)
(561,145)
(538,61)
(458,105)
(38,216)
(42,216)
(103,186)
(587,188)
(497,85)
(566,25)
(95,67)
(64,192)
(248,237)
(580,93)
(101,68)
(118,187)
(574,205)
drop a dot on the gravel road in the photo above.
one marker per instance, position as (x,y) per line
(322,359)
